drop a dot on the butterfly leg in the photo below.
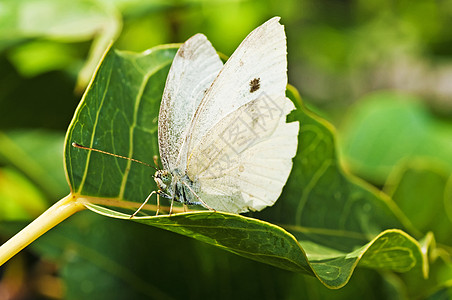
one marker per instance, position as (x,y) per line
(171,207)
(144,203)
(197,197)
(158,204)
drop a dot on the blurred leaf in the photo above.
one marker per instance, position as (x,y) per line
(19,197)
(46,101)
(137,36)
(38,57)
(119,114)
(444,293)
(440,276)
(385,128)
(39,155)
(72,21)
(419,188)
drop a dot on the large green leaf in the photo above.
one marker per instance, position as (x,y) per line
(387,127)
(147,263)
(121,108)
(324,223)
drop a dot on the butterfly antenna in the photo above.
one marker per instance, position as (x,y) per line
(111,154)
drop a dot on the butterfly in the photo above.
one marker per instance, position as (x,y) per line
(223,138)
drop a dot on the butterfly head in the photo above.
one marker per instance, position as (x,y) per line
(163,179)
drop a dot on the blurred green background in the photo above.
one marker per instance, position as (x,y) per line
(379,70)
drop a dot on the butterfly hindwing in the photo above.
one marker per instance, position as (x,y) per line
(243,162)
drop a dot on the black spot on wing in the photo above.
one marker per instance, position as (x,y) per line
(255,85)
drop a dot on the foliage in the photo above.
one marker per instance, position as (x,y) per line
(329,228)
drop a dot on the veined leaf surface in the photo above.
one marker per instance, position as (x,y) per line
(324,224)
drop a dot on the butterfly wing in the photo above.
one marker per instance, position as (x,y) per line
(193,70)
(257,67)
(245,159)
(240,147)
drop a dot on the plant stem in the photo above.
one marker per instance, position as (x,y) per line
(46,221)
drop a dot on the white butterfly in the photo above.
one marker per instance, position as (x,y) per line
(223,137)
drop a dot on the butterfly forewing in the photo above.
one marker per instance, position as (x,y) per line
(257,67)
(193,70)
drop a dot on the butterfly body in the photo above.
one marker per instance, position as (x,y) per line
(176,186)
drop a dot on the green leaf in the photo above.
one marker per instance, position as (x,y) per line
(118,114)
(421,189)
(259,240)
(37,154)
(141,260)
(21,200)
(34,58)
(324,224)
(387,127)
(72,21)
